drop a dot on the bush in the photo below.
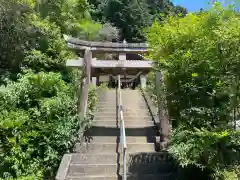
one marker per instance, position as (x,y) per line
(38,124)
(199,56)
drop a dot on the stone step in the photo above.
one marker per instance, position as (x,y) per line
(115,112)
(107,97)
(92,169)
(169,176)
(127,123)
(137,159)
(134,100)
(79,158)
(116,168)
(107,108)
(115,139)
(106,103)
(126,118)
(125,104)
(125,109)
(105,148)
(133,130)
(125,113)
(129,100)
(109,90)
(98,177)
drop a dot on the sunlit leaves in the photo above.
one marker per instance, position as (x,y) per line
(201,67)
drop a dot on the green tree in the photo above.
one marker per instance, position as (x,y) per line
(199,56)
(164,7)
(38,115)
(14,36)
(130,16)
(64,13)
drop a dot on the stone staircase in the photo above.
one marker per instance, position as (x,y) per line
(100,156)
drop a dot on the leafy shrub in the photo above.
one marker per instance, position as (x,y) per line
(38,124)
(199,57)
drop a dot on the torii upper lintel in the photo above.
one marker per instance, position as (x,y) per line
(81,45)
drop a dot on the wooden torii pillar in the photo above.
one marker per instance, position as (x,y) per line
(164,119)
(82,102)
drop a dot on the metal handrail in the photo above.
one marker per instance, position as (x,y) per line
(122,130)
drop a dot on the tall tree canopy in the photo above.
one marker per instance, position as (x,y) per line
(131,17)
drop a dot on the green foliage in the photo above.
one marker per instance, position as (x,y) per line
(204,148)
(48,39)
(199,58)
(92,98)
(38,119)
(63,12)
(22,31)
(103,86)
(89,30)
(38,124)
(164,7)
(131,17)
(13,36)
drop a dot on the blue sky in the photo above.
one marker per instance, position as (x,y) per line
(192,5)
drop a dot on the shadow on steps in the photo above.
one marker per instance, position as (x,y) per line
(115,131)
(151,163)
(151,166)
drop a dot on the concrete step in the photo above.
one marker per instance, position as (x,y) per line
(109,90)
(96,148)
(137,148)
(133,130)
(98,177)
(106,103)
(125,104)
(111,148)
(125,108)
(125,113)
(108,108)
(109,95)
(115,139)
(79,158)
(134,160)
(129,100)
(170,176)
(134,110)
(115,123)
(126,118)
(92,169)
(112,106)
(115,168)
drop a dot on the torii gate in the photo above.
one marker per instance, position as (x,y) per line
(122,63)
(88,63)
